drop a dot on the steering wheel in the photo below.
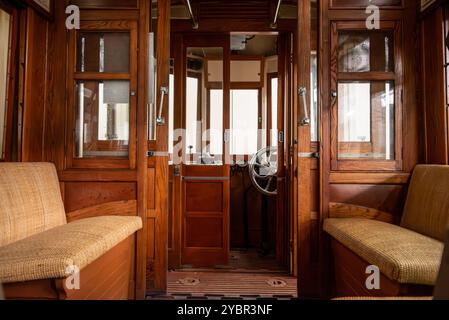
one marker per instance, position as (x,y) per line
(263,169)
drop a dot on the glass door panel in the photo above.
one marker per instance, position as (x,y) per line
(204,106)
(204,173)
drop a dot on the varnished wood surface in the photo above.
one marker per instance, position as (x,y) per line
(117,208)
(80,195)
(342,210)
(12,86)
(433,84)
(307,271)
(157,266)
(231,284)
(384,198)
(36,88)
(368,178)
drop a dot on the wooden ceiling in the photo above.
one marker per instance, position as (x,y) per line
(234,9)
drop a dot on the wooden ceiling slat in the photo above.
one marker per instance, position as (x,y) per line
(233,9)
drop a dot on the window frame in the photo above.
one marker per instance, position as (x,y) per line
(446,69)
(247,86)
(254,85)
(211,86)
(395,76)
(6,154)
(270,77)
(74,76)
(199,115)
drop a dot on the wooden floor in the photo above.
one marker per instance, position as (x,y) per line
(248,276)
(245,261)
(251,260)
(216,284)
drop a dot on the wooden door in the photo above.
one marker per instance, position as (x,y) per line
(205,170)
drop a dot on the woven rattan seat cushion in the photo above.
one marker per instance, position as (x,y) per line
(402,255)
(48,255)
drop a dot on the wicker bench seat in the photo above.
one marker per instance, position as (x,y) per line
(39,250)
(402,255)
(409,255)
(50,254)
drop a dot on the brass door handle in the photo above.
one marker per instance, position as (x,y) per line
(302,92)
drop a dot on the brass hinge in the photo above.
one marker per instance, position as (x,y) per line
(281,137)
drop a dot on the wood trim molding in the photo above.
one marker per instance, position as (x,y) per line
(97,175)
(119,208)
(369,178)
(343,210)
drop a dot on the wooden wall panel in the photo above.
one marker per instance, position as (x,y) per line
(204,197)
(387,198)
(35,87)
(150,252)
(160,163)
(204,232)
(56,78)
(151,203)
(433,91)
(80,195)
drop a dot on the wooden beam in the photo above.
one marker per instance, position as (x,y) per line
(307,273)
(162,173)
(142,149)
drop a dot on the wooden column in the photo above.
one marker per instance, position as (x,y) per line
(161,160)
(142,148)
(307,275)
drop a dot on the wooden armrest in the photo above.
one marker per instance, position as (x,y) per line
(117,208)
(343,210)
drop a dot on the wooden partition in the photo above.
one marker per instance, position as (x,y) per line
(367,183)
(109,183)
(434,28)
(28,84)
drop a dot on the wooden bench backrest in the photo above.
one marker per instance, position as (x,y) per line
(427,208)
(30,200)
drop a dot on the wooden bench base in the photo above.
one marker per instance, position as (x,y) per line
(349,278)
(110,277)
